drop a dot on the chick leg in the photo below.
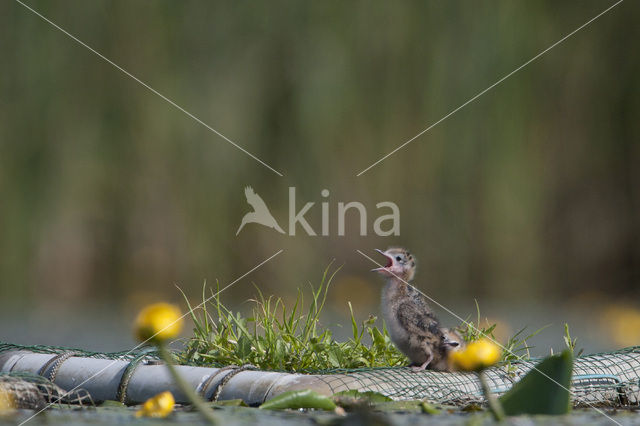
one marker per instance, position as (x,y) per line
(416,368)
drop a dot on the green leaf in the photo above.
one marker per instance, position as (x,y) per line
(332,357)
(113,404)
(229,403)
(299,399)
(369,396)
(354,325)
(378,338)
(428,408)
(399,406)
(244,347)
(537,394)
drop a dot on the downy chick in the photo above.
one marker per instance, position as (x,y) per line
(412,326)
(452,342)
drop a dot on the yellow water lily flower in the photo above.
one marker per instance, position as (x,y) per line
(159,406)
(158,322)
(476,356)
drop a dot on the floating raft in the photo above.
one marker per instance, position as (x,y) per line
(611,379)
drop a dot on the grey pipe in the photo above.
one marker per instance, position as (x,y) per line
(101,378)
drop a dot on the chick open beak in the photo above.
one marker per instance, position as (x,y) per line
(389,262)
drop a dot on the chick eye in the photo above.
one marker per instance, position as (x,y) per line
(398,258)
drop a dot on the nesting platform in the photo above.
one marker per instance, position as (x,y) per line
(611,379)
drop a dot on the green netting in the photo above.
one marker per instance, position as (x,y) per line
(610,379)
(45,349)
(605,379)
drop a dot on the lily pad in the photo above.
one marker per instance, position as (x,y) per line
(428,408)
(543,390)
(369,396)
(112,404)
(299,399)
(230,403)
(399,406)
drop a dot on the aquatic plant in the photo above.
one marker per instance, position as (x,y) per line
(275,337)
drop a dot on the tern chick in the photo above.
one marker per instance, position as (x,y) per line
(412,326)
(452,342)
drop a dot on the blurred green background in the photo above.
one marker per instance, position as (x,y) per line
(527,200)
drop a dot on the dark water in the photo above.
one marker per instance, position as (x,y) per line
(243,416)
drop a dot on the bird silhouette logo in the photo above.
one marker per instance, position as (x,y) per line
(260,213)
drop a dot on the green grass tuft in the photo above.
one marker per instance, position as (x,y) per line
(289,339)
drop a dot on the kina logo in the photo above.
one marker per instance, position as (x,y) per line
(262,215)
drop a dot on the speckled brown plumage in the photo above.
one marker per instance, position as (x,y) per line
(412,326)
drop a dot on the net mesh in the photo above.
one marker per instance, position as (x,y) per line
(31,391)
(609,379)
